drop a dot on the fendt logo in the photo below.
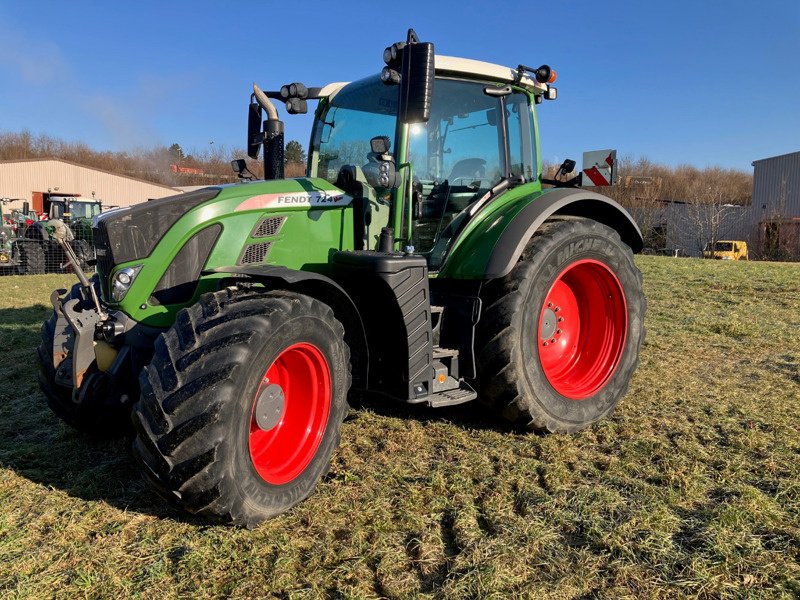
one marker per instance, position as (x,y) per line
(322,198)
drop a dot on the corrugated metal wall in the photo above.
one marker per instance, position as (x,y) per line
(19,179)
(690,226)
(776,187)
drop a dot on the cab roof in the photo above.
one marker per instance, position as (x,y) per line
(452,65)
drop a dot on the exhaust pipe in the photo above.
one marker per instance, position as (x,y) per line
(273,136)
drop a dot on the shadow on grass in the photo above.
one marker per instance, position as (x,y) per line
(470,415)
(36,445)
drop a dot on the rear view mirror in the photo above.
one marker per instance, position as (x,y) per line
(416,82)
(254,139)
(238,165)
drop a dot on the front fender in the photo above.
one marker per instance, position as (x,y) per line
(490,247)
(325,290)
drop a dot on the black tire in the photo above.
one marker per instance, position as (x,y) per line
(101,412)
(83,252)
(193,419)
(511,375)
(32,258)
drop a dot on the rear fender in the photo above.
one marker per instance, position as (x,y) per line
(323,289)
(477,260)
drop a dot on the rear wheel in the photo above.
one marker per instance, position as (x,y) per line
(561,333)
(32,258)
(242,403)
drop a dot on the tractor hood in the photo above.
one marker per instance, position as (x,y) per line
(218,225)
(131,233)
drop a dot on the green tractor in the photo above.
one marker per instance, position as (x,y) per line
(38,251)
(420,261)
(7,234)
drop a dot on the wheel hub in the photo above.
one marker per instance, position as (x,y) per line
(583,325)
(549,321)
(290,413)
(269,406)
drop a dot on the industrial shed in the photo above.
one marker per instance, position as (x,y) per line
(33,180)
(776,206)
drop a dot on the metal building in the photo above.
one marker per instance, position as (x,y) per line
(33,180)
(776,206)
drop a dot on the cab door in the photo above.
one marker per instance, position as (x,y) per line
(470,143)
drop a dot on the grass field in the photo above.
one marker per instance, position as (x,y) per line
(691,489)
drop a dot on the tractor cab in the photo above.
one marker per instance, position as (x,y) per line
(70,209)
(479,135)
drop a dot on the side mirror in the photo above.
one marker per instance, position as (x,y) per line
(416,83)
(254,138)
(566,168)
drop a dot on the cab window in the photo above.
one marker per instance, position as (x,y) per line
(471,142)
(362,110)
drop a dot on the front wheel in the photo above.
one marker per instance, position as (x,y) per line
(561,334)
(242,403)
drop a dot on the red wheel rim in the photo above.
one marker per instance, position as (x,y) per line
(582,329)
(284,451)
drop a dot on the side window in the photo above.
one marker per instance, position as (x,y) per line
(344,139)
(521,147)
(359,112)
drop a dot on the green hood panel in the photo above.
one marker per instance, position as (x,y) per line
(315,219)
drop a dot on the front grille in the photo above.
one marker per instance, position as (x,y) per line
(269,227)
(133,232)
(255,253)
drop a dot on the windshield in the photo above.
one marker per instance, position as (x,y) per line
(721,247)
(361,111)
(84,210)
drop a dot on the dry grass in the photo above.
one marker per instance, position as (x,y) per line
(691,489)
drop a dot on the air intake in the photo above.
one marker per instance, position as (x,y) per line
(269,227)
(255,253)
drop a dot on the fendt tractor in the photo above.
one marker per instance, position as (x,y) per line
(39,252)
(420,261)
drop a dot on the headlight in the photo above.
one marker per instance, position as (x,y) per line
(122,281)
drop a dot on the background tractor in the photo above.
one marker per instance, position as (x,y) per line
(8,231)
(37,251)
(420,260)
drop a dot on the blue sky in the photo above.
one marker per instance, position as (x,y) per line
(705,83)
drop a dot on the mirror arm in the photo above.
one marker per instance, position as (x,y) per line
(574,182)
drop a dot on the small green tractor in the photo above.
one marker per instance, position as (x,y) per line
(420,260)
(36,251)
(8,227)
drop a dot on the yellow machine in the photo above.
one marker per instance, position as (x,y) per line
(726,250)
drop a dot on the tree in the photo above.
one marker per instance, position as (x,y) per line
(176,152)
(294,153)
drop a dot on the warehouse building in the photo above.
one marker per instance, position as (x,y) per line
(35,180)
(776,206)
